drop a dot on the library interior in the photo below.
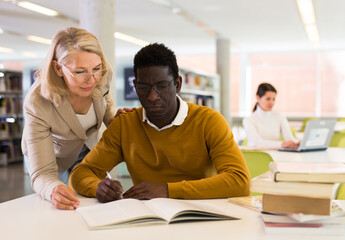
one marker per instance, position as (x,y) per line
(225,50)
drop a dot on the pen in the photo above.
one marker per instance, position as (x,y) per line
(109,176)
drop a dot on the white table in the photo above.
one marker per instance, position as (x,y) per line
(330,155)
(31,218)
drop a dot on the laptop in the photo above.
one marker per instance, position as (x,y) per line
(317,135)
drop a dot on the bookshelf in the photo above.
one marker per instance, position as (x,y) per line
(11,116)
(200,88)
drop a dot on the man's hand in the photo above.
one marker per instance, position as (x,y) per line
(147,190)
(109,190)
(64,197)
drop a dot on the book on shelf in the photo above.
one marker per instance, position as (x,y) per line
(265,183)
(296,204)
(128,212)
(250,202)
(325,172)
(13,81)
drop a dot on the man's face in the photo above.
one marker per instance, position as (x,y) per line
(157,94)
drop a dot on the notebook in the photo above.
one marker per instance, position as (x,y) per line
(317,135)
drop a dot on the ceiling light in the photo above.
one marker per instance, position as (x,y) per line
(307,13)
(165,3)
(131,39)
(39,39)
(312,32)
(37,8)
(306,10)
(176,10)
(6,50)
(29,54)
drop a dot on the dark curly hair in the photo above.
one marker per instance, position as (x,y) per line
(156,54)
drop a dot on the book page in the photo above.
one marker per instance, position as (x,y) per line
(115,212)
(175,209)
(250,202)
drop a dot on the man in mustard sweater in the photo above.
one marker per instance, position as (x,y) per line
(172,148)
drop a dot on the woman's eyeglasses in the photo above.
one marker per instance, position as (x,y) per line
(83,76)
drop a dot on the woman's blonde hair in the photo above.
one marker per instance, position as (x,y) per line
(66,42)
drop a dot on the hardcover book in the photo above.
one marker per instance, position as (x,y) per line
(325,172)
(265,183)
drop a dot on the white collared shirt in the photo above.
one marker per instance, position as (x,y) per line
(179,119)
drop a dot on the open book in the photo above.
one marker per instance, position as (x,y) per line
(129,212)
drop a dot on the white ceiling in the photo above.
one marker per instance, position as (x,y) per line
(250,25)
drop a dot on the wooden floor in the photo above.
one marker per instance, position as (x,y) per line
(14,183)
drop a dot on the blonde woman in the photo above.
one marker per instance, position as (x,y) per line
(63,111)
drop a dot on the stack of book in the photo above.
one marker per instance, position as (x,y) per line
(292,188)
(306,223)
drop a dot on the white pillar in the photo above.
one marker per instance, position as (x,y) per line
(318,105)
(98,17)
(245,86)
(223,69)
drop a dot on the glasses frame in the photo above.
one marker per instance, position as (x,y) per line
(153,86)
(89,75)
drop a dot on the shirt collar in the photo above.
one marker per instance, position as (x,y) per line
(179,119)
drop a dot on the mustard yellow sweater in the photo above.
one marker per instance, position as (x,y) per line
(198,159)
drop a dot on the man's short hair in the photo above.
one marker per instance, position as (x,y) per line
(156,54)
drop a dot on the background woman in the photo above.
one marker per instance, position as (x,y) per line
(265,127)
(64,110)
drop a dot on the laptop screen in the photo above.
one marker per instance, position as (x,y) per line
(318,134)
(317,137)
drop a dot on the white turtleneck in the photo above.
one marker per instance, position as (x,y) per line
(264,129)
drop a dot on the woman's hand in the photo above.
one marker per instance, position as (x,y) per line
(64,197)
(121,111)
(290,144)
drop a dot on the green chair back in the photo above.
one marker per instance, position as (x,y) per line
(338,140)
(257,162)
(244,142)
(341,192)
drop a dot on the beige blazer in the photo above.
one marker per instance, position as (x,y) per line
(53,137)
